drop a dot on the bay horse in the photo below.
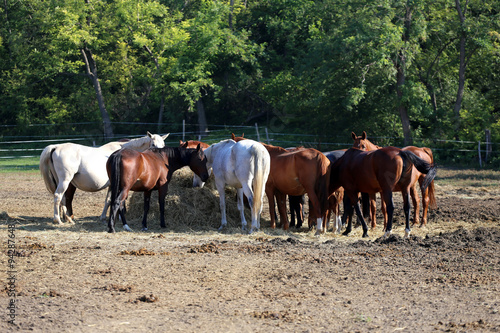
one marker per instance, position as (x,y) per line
(68,166)
(375,171)
(304,170)
(147,171)
(428,195)
(244,165)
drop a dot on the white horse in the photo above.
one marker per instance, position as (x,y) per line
(244,165)
(68,166)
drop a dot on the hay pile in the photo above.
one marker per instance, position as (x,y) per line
(187,208)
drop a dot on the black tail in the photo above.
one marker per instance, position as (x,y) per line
(428,169)
(114,163)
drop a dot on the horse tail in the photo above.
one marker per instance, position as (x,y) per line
(431,193)
(323,184)
(429,169)
(47,169)
(261,172)
(114,170)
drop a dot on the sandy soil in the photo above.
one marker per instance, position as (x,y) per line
(190,277)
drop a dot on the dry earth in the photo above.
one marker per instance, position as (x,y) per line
(190,277)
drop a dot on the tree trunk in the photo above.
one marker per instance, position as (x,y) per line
(401,78)
(202,119)
(91,69)
(463,65)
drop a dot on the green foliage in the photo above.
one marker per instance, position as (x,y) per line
(317,67)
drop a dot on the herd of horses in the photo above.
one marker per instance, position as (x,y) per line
(255,169)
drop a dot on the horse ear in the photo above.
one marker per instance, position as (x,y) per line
(165,136)
(242,135)
(149,134)
(233,136)
(363,136)
(198,148)
(353,135)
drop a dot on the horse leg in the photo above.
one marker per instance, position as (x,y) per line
(416,205)
(406,207)
(389,204)
(347,215)
(68,203)
(300,212)
(58,197)
(147,201)
(315,211)
(272,207)
(383,208)
(222,197)
(291,203)
(281,201)
(362,219)
(241,208)
(122,209)
(373,210)
(106,205)
(425,208)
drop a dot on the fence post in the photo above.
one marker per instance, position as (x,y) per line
(488,145)
(257,131)
(183,130)
(267,135)
(479,153)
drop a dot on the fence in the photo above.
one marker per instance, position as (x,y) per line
(470,153)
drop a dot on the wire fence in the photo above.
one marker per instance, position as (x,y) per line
(12,146)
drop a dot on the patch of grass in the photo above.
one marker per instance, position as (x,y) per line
(19,164)
(468,177)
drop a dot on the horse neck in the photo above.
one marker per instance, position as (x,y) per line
(140,144)
(175,157)
(275,150)
(370,146)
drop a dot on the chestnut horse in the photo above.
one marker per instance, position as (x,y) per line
(428,195)
(297,172)
(145,172)
(382,170)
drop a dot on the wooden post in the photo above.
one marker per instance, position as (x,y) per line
(183,130)
(479,153)
(267,135)
(487,133)
(257,131)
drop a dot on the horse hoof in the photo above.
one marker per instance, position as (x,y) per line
(345,233)
(126,228)
(144,229)
(387,234)
(365,235)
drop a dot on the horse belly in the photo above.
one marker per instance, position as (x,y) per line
(91,182)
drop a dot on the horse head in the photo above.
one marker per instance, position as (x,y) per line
(362,143)
(157,141)
(198,164)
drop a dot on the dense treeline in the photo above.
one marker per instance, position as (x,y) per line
(413,69)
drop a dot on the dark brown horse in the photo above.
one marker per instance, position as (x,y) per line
(145,172)
(304,170)
(371,172)
(428,195)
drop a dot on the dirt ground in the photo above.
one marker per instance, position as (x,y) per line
(190,277)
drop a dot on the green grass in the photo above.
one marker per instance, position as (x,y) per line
(19,164)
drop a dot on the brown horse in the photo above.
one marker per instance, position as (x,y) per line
(145,172)
(193,144)
(428,195)
(371,172)
(297,172)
